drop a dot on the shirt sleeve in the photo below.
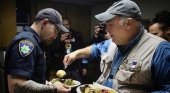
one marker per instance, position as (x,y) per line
(99,48)
(161,68)
(19,65)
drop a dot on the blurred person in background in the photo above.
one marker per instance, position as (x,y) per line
(100,33)
(161,25)
(65,43)
(93,65)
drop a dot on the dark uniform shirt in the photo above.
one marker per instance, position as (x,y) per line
(25,57)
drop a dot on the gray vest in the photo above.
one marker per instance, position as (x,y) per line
(134,73)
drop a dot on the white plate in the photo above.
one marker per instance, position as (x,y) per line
(95,85)
(78,88)
(76,83)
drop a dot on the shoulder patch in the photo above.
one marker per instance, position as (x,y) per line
(25,47)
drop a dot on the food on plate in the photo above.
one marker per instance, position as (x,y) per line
(94,88)
(60,73)
(68,82)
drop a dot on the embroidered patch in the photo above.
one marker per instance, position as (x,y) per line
(25,47)
(131,65)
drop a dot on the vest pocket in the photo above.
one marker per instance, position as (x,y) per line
(124,76)
(128,70)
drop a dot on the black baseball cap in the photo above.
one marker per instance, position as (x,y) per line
(53,16)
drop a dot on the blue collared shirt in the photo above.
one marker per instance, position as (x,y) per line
(160,65)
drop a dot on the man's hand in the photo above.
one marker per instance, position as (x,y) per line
(84,72)
(61,88)
(65,36)
(69,58)
(96,31)
(80,53)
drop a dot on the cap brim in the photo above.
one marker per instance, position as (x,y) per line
(105,16)
(63,28)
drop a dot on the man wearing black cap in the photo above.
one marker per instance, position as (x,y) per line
(25,62)
(132,61)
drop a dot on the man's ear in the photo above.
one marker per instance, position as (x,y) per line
(129,21)
(45,21)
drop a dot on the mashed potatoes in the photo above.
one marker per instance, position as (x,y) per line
(61,73)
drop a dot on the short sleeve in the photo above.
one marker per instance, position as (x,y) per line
(99,48)
(21,58)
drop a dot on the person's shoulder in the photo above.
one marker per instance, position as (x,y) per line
(164,44)
(24,43)
(109,41)
(105,43)
(25,47)
(26,34)
(164,47)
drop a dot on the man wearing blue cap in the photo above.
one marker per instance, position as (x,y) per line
(25,62)
(132,61)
